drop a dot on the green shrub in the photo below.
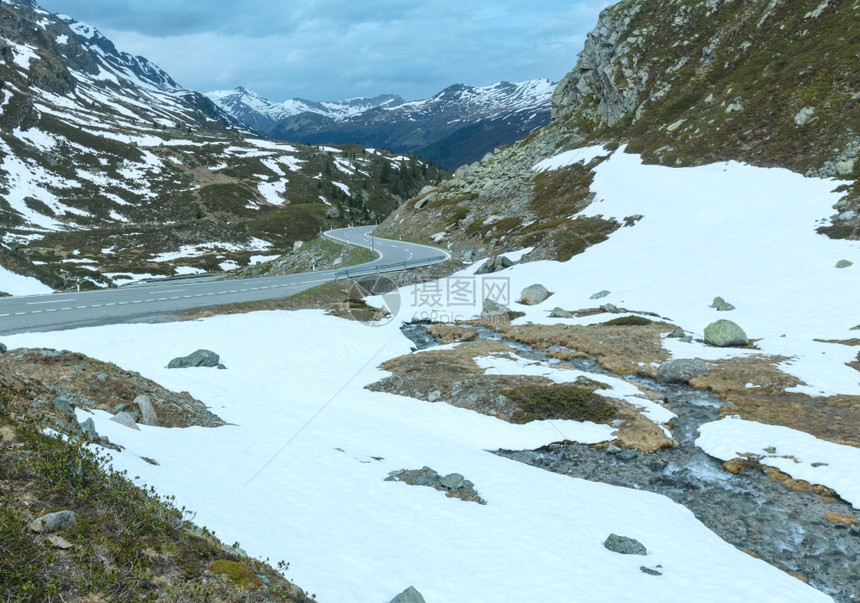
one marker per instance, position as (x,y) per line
(628,321)
(558,401)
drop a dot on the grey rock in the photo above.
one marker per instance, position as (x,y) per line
(332,213)
(492,308)
(63,405)
(844,263)
(234,551)
(560,313)
(53,522)
(722,305)
(855,328)
(452,481)
(204,358)
(803,116)
(687,339)
(649,571)
(624,545)
(611,309)
(534,294)
(125,418)
(600,294)
(147,410)
(677,333)
(469,254)
(627,455)
(494,264)
(3,348)
(725,333)
(434,396)
(88,428)
(410,595)
(682,370)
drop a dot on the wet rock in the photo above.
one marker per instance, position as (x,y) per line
(53,522)
(534,294)
(681,370)
(410,595)
(725,333)
(627,455)
(204,358)
(624,545)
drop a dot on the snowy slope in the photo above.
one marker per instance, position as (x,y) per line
(300,475)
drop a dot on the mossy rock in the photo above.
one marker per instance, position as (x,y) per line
(725,333)
(240,574)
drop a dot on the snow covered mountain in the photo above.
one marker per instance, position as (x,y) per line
(262,114)
(455,126)
(108,165)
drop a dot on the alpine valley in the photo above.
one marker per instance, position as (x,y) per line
(456,126)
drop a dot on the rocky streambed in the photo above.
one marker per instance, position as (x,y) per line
(797,531)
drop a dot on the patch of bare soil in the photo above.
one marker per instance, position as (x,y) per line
(35,379)
(452,376)
(623,350)
(833,418)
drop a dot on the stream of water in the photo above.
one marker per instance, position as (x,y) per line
(749,510)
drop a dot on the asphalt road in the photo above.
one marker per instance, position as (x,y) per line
(148,301)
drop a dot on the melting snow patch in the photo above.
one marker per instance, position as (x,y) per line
(799,454)
(582,155)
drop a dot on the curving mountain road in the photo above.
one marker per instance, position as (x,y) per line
(150,300)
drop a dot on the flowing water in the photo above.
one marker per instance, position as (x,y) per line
(749,510)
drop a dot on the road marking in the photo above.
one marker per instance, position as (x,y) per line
(110,304)
(65,309)
(123,303)
(36,312)
(96,306)
(53,301)
(5,315)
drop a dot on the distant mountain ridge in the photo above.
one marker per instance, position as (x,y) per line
(456,126)
(111,171)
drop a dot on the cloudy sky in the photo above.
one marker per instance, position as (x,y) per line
(336,49)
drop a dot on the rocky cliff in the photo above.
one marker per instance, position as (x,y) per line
(769,82)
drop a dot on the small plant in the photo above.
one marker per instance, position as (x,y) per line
(240,574)
(628,321)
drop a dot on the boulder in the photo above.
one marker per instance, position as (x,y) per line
(624,545)
(722,305)
(682,370)
(560,313)
(725,333)
(492,308)
(127,419)
(206,358)
(3,348)
(148,416)
(332,213)
(53,522)
(600,294)
(494,264)
(839,264)
(88,428)
(410,595)
(534,294)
